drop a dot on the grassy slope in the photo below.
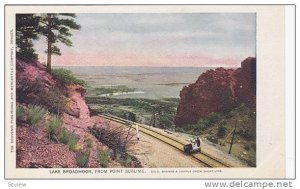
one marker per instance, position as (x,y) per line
(217,128)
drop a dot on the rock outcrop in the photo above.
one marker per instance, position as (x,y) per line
(32,80)
(217,91)
(35,86)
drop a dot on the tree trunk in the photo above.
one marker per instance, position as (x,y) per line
(49,56)
(49,37)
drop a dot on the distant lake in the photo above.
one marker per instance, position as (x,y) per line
(149,82)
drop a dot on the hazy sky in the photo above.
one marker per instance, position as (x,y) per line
(194,40)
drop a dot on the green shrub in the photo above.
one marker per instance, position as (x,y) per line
(56,132)
(250,158)
(82,158)
(103,157)
(213,118)
(128,161)
(202,124)
(247,147)
(72,141)
(66,77)
(19,112)
(166,121)
(248,134)
(55,99)
(54,128)
(125,159)
(64,136)
(221,131)
(89,142)
(35,114)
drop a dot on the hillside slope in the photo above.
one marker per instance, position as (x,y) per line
(36,88)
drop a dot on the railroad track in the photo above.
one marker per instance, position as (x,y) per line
(204,157)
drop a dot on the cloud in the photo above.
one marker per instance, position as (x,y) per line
(140,59)
(153,38)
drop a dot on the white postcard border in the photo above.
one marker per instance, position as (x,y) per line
(270,95)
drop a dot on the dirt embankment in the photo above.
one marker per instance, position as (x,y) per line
(35,86)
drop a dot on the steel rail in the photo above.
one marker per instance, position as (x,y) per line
(203,157)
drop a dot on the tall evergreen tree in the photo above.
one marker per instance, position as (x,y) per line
(56,28)
(26,32)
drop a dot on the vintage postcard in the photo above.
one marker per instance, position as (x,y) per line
(152,91)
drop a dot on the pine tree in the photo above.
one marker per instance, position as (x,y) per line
(56,28)
(26,32)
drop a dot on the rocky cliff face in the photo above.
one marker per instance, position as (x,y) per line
(217,91)
(35,86)
(32,79)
